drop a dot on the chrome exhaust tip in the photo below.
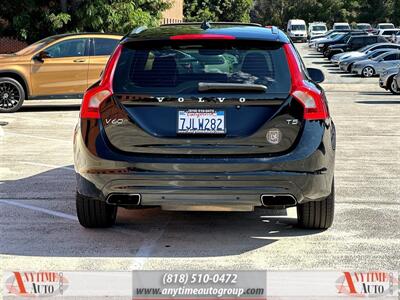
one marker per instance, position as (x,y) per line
(124,199)
(285,200)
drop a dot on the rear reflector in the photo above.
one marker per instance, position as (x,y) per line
(202,36)
(93,97)
(311,98)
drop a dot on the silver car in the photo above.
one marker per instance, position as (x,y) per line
(386,79)
(337,58)
(345,64)
(375,66)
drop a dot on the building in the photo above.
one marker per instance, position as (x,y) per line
(174,14)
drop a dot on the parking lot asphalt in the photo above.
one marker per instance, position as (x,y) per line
(39,229)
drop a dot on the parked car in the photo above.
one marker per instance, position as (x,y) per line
(323,45)
(151,134)
(316,29)
(380,26)
(341,26)
(375,66)
(360,52)
(346,64)
(387,79)
(328,33)
(364,26)
(59,65)
(297,30)
(388,33)
(327,37)
(353,43)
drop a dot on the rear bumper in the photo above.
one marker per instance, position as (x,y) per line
(217,189)
(299,38)
(306,173)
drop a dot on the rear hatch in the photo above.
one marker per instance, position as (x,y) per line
(202,97)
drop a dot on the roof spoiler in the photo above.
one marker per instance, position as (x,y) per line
(211,23)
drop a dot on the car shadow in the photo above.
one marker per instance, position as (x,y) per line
(336,72)
(324,63)
(313,56)
(38,218)
(383,93)
(345,74)
(379,102)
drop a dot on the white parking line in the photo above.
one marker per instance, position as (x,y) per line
(40,209)
(42,121)
(37,137)
(144,250)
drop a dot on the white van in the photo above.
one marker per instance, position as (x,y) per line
(316,29)
(297,30)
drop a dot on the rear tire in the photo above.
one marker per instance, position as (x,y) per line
(93,213)
(12,95)
(317,214)
(393,87)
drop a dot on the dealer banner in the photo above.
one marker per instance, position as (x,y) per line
(158,285)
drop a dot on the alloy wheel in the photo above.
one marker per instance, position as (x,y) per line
(9,95)
(368,72)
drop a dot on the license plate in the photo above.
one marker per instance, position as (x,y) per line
(201,121)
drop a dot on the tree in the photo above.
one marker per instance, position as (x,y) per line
(34,19)
(396,12)
(119,16)
(217,10)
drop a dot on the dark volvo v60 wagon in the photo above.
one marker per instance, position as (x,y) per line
(211,116)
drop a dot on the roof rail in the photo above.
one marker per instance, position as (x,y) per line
(212,23)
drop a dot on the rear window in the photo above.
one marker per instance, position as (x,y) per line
(386,26)
(103,46)
(298,27)
(363,26)
(318,28)
(179,67)
(341,27)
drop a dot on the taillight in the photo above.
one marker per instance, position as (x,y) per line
(312,99)
(313,103)
(93,97)
(202,36)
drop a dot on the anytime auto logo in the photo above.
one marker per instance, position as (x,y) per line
(36,284)
(367,284)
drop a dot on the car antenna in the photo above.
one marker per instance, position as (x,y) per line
(205,25)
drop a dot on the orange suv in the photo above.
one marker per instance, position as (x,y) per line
(56,67)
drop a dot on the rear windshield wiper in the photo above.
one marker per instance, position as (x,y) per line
(216,86)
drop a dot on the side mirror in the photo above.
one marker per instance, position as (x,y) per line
(41,56)
(316,75)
